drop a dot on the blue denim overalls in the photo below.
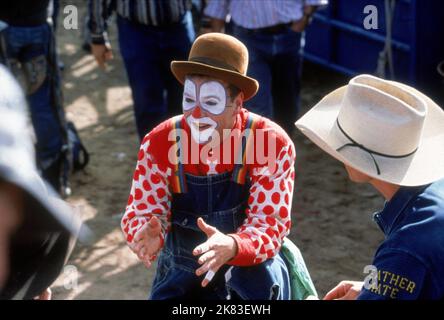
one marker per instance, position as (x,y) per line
(221,202)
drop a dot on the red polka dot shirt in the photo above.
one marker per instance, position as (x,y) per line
(267,217)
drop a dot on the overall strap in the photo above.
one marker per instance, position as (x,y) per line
(240,168)
(179,183)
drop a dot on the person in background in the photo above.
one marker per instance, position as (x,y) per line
(27,48)
(390,136)
(272,31)
(151,35)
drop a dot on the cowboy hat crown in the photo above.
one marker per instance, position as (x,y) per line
(394,129)
(385,129)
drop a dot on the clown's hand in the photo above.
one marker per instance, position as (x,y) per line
(147,241)
(215,252)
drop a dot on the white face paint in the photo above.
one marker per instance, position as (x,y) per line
(201,129)
(189,95)
(212,96)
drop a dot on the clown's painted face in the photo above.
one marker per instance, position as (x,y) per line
(208,107)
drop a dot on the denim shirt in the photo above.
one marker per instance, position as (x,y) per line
(410,261)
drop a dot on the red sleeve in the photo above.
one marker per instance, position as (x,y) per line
(269,208)
(150,193)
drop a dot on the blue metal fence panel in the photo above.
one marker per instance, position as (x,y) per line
(337,39)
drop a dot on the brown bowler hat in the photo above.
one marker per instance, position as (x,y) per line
(220,56)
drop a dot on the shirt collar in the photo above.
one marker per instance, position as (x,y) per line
(394,208)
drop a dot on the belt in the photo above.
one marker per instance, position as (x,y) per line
(278,28)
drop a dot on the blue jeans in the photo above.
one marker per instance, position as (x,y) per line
(147,52)
(24,44)
(275,63)
(221,202)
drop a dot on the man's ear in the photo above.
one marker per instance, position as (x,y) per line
(239,101)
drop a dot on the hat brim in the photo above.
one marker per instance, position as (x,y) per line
(423,167)
(247,85)
(40,247)
(44,211)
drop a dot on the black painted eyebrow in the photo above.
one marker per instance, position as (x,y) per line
(216,97)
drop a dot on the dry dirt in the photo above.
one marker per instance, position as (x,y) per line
(332,218)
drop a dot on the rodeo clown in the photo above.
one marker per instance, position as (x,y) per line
(213,214)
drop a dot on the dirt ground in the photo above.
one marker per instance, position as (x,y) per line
(332,218)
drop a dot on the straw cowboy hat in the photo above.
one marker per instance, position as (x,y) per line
(220,56)
(385,129)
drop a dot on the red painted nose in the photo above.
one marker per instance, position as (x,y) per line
(197,113)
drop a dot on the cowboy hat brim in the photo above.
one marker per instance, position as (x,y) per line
(424,166)
(247,85)
(41,245)
(43,212)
